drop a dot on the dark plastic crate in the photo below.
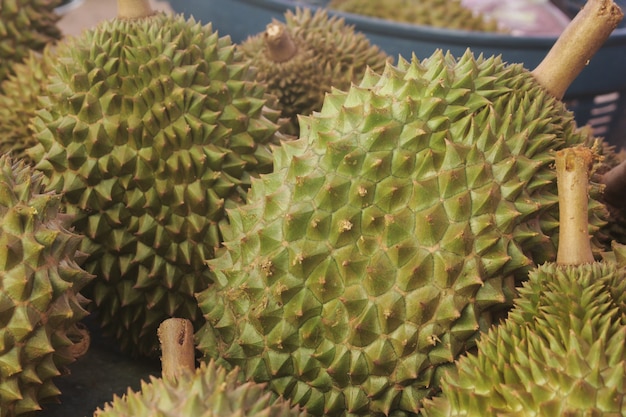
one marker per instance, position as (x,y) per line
(597,97)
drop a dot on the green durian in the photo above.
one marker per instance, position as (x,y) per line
(26,25)
(151,127)
(305,56)
(449,14)
(390,234)
(210,391)
(561,350)
(19,103)
(40,303)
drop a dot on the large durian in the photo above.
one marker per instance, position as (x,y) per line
(19,103)
(561,350)
(151,127)
(388,234)
(40,303)
(304,57)
(26,25)
(449,14)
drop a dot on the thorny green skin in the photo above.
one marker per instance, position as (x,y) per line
(560,352)
(329,54)
(19,103)
(25,26)
(389,234)
(449,14)
(210,391)
(151,128)
(39,285)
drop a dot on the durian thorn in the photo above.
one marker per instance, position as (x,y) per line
(576,45)
(573,167)
(279,44)
(177,347)
(615,185)
(134,9)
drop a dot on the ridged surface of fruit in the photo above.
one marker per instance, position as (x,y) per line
(19,103)
(25,25)
(40,304)
(449,14)
(151,128)
(389,234)
(328,53)
(560,352)
(210,391)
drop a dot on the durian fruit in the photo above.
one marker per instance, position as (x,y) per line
(561,350)
(389,233)
(26,25)
(40,303)
(151,127)
(304,57)
(19,103)
(449,14)
(183,391)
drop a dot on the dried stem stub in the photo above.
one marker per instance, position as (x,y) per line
(280,46)
(133,9)
(177,347)
(573,167)
(578,43)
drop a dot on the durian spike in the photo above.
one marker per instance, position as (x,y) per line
(580,40)
(134,9)
(573,166)
(177,347)
(279,43)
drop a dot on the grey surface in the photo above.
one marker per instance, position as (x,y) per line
(96,377)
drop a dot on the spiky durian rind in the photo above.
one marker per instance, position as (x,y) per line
(210,391)
(329,54)
(25,26)
(40,304)
(150,129)
(560,352)
(389,233)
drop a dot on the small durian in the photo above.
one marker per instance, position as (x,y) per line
(209,391)
(26,25)
(561,350)
(151,126)
(392,231)
(184,391)
(307,55)
(449,14)
(40,280)
(19,103)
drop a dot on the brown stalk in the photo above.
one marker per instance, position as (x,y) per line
(573,167)
(580,40)
(133,9)
(279,44)
(177,347)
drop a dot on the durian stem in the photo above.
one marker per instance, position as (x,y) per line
(580,40)
(573,166)
(133,9)
(279,44)
(615,185)
(177,347)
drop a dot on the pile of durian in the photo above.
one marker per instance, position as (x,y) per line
(339,234)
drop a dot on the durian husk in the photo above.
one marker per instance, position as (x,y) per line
(449,14)
(151,128)
(40,280)
(25,26)
(208,391)
(304,57)
(561,349)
